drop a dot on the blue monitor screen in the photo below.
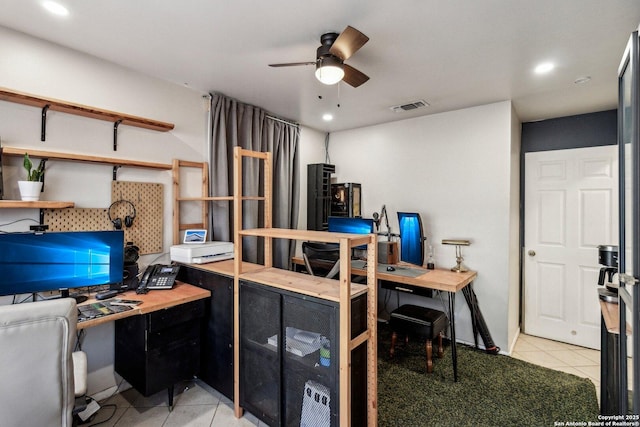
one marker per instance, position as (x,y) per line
(59,260)
(411,238)
(343,224)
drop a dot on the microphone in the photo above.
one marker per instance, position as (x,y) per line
(376,220)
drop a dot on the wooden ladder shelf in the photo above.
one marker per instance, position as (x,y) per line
(203,199)
(342,291)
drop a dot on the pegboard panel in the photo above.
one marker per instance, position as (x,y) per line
(148,200)
(145,231)
(77,219)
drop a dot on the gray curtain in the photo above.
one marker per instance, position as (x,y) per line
(234,123)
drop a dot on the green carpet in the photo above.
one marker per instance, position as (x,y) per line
(492,390)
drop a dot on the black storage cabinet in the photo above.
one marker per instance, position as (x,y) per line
(156,350)
(216,347)
(319,195)
(273,380)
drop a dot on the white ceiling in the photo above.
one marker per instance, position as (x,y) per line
(452,54)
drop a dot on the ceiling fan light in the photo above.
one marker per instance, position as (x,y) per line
(329,74)
(329,71)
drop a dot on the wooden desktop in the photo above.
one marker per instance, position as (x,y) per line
(153,301)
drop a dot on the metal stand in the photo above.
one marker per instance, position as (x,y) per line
(459,267)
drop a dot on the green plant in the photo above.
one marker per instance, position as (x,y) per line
(33,174)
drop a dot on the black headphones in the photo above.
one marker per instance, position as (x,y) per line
(128,220)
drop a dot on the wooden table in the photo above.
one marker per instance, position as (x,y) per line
(153,301)
(438,279)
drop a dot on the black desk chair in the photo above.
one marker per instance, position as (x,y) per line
(321,259)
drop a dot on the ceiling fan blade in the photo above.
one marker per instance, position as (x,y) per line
(292,64)
(347,43)
(353,77)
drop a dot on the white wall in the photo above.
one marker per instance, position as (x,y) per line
(33,66)
(513,320)
(459,171)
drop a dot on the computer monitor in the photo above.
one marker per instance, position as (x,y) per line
(411,238)
(343,224)
(38,262)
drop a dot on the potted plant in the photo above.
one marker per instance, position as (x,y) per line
(31,188)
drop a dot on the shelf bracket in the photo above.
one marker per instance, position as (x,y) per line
(115,172)
(115,135)
(43,126)
(44,167)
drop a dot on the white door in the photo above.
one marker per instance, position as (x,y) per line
(571,207)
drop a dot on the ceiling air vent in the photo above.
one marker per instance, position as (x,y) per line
(410,106)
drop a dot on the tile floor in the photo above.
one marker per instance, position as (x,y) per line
(580,361)
(196,404)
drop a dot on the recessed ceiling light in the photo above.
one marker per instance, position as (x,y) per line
(327,117)
(543,68)
(55,8)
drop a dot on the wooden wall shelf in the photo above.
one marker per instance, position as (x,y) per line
(83,110)
(35,205)
(13,151)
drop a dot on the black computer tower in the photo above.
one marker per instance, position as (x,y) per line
(319,195)
(346,199)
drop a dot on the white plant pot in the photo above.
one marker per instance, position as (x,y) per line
(30,190)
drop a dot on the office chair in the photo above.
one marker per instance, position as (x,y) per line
(41,375)
(321,259)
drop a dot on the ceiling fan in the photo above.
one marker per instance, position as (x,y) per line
(334,50)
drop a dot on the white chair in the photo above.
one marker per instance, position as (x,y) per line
(38,365)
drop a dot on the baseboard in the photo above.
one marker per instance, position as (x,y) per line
(480,346)
(512,345)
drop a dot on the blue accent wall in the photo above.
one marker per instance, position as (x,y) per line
(584,130)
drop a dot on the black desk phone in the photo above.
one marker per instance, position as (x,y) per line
(158,276)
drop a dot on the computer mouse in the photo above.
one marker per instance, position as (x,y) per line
(391,268)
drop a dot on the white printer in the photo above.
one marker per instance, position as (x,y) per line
(196,250)
(202,253)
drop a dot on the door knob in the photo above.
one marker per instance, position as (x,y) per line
(531,252)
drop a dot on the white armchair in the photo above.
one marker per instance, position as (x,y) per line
(37,364)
